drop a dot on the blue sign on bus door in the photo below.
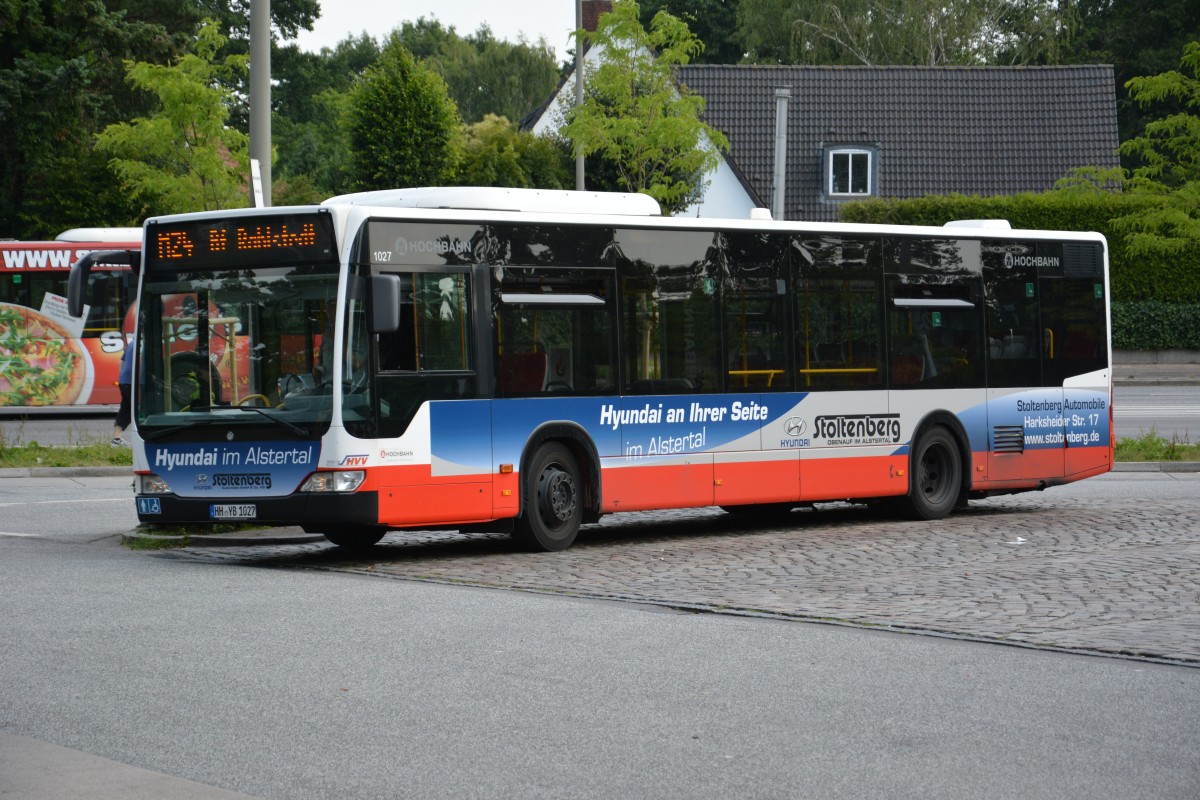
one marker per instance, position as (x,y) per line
(149,505)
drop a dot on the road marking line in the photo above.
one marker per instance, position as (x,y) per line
(52,502)
(23,535)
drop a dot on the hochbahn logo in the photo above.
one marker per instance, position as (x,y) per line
(858,429)
(1011,261)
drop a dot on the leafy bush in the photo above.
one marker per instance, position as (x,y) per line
(1151,325)
(1162,278)
(1153,447)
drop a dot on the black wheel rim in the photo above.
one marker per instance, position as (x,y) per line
(556,496)
(934,480)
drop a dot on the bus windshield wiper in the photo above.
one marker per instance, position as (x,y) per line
(153,436)
(283,423)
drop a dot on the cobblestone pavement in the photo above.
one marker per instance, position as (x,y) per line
(1036,570)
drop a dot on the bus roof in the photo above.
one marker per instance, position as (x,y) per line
(100,235)
(470,198)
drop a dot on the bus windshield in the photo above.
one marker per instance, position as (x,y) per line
(217,344)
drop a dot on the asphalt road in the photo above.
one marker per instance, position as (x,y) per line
(1171,411)
(194,675)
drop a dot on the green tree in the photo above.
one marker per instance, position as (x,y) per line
(310,98)
(484,75)
(402,124)
(61,80)
(1168,158)
(644,124)
(496,153)
(184,157)
(713,22)
(918,32)
(1137,38)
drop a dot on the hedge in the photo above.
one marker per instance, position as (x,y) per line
(1156,300)
(1151,325)
(1166,279)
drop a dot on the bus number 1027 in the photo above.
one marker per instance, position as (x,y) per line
(382,255)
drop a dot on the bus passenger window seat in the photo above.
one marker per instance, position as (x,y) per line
(522,373)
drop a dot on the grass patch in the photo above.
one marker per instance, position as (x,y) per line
(87,455)
(85,450)
(1153,447)
(202,529)
(166,537)
(147,543)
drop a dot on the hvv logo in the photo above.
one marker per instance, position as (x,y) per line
(354,461)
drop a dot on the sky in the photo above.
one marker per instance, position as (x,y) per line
(553,19)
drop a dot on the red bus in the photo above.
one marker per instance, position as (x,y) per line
(49,359)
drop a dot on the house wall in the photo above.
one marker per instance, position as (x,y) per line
(725,197)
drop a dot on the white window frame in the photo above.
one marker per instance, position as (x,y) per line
(849,153)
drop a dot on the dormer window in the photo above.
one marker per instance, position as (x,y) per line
(849,172)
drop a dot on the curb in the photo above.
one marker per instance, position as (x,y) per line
(65,472)
(265,536)
(1156,466)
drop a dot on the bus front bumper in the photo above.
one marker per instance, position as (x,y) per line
(315,511)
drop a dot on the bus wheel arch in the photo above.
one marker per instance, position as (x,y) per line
(559,488)
(938,467)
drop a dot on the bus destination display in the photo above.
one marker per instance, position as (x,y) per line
(240,242)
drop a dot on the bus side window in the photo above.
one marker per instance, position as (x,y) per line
(670,312)
(838,304)
(433,332)
(754,304)
(554,331)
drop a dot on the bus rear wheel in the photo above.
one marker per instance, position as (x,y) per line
(551,500)
(936,467)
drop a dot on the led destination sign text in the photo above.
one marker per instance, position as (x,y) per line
(242,241)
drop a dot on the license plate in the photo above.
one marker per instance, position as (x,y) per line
(232,511)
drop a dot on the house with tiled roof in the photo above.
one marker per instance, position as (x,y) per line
(895,132)
(857,132)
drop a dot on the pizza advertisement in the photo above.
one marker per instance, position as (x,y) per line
(40,363)
(49,358)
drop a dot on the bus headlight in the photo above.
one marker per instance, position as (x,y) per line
(340,480)
(152,484)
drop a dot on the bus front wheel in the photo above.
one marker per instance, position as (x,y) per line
(936,467)
(355,538)
(551,500)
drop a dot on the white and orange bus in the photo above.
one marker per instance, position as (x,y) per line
(531,360)
(48,359)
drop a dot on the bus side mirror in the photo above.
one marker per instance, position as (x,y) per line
(385,304)
(77,283)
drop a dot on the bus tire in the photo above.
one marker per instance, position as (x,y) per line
(551,500)
(355,538)
(936,470)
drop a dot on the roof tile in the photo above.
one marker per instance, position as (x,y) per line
(974,130)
